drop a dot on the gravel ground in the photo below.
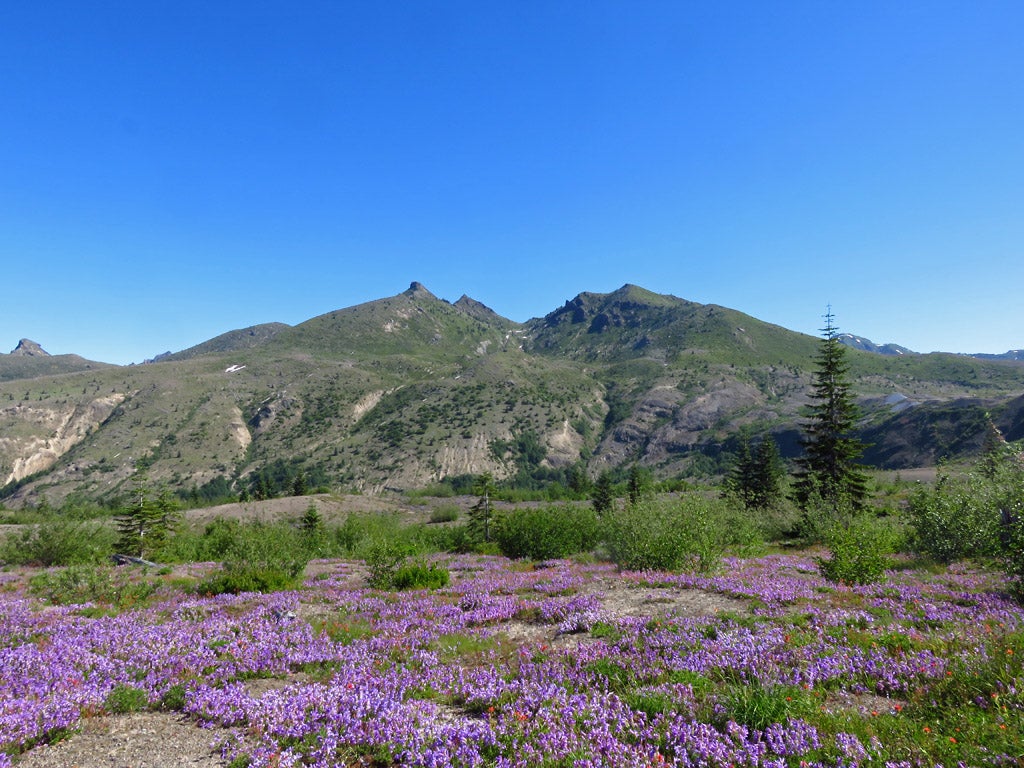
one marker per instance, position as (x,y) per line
(140,740)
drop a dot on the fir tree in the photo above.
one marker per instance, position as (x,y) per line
(994,449)
(639,484)
(144,526)
(755,475)
(481,513)
(604,495)
(768,474)
(738,478)
(829,467)
(299,484)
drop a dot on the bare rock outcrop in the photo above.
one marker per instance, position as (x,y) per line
(28,348)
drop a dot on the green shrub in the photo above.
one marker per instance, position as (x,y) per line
(445,514)
(685,534)
(547,533)
(391,568)
(384,559)
(213,543)
(859,550)
(125,698)
(1013,556)
(256,557)
(59,542)
(420,575)
(359,534)
(92,584)
(174,697)
(957,519)
(238,578)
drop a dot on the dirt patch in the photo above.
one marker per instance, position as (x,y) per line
(141,740)
(620,600)
(331,508)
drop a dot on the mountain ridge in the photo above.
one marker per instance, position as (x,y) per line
(411,389)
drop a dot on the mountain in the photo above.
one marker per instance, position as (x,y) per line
(232,341)
(865,345)
(411,389)
(29,360)
(28,348)
(1013,354)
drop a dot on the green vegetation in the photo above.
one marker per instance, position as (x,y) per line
(387,393)
(58,541)
(108,587)
(859,548)
(145,526)
(755,478)
(547,533)
(666,536)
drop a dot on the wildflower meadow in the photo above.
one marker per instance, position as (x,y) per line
(554,663)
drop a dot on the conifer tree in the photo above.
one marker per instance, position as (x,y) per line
(737,480)
(768,473)
(639,484)
(829,467)
(994,449)
(481,513)
(603,498)
(755,475)
(144,525)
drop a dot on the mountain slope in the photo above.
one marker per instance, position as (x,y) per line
(29,360)
(412,389)
(232,341)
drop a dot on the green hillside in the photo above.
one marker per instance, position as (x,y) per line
(409,390)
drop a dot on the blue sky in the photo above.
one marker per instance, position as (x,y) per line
(173,170)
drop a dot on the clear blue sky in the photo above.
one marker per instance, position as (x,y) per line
(173,170)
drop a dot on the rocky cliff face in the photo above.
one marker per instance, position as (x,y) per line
(58,431)
(28,348)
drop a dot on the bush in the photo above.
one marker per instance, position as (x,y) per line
(445,514)
(235,579)
(957,519)
(420,575)
(384,559)
(91,584)
(257,557)
(859,550)
(59,542)
(391,568)
(547,533)
(666,536)
(1014,556)
(359,534)
(123,699)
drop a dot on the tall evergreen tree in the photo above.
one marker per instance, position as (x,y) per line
(829,467)
(768,473)
(994,449)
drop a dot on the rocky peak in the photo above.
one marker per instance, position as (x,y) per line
(28,348)
(476,309)
(418,291)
